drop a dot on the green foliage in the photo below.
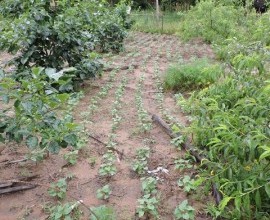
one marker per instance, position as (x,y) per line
(187,183)
(230,119)
(102,213)
(53,34)
(148,205)
(206,20)
(149,185)
(58,189)
(107,169)
(68,211)
(104,192)
(184,211)
(197,74)
(30,113)
(71,157)
(140,163)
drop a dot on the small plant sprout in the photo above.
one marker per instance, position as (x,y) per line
(58,189)
(178,141)
(104,192)
(67,211)
(184,211)
(149,185)
(139,166)
(102,213)
(148,206)
(181,164)
(107,169)
(143,153)
(71,157)
(187,183)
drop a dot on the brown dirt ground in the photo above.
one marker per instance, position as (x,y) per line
(126,187)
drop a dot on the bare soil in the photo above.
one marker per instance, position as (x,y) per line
(143,50)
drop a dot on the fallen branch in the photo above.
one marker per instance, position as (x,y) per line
(16,189)
(168,131)
(191,150)
(13,161)
(121,154)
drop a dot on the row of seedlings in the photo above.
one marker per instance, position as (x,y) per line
(58,189)
(108,168)
(183,210)
(145,122)
(148,202)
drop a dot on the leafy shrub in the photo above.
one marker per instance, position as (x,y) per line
(206,20)
(43,33)
(197,74)
(30,113)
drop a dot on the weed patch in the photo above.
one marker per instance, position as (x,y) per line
(197,74)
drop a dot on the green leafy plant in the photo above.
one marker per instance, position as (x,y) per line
(149,185)
(184,211)
(181,164)
(53,34)
(148,206)
(107,169)
(102,213)
(58,189)
(68,211)
(139,166)
(36,119)
(187,183)
(104,192)
(140,163)
(71,157)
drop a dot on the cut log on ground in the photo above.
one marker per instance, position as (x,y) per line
(16,185)
(16,189)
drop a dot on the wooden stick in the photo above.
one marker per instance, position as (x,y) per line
(121,154)
(13,161)
(16,188)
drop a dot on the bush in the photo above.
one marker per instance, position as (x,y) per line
(197,74)
(231,117)
(62,34)
(30,113)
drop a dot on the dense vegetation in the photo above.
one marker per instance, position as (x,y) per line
(55,46)
(230,118)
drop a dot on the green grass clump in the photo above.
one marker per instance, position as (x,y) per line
(197,74)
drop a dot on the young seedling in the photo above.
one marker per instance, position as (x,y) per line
(148,206)
(184,211)
(187,183)
(71,157)
(58,189)
(104,192)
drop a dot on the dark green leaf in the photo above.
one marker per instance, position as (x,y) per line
(32,142)
(53,147)
(71,139)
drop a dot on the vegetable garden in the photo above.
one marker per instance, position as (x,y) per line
(100,121)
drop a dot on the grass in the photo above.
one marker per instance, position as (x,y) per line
(146,21)
(197,74)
